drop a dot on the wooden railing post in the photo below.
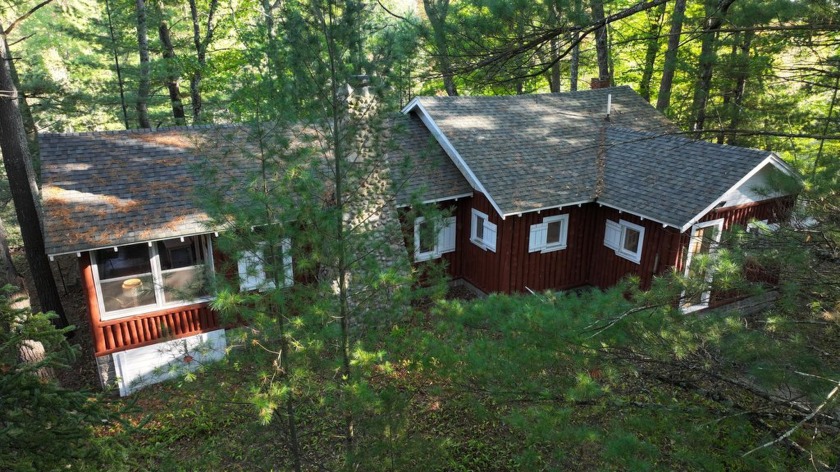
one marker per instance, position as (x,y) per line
(92,303)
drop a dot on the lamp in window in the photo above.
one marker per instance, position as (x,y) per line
(132,287)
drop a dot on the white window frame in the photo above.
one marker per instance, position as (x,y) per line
(251,273)
(706,296)
(157,280)
(444,243)
(489,232)
(617,243)
(538,236)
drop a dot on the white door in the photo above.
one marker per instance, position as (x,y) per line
(704,240)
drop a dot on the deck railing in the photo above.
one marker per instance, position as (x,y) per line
(142,330)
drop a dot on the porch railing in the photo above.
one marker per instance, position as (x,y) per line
(142,330)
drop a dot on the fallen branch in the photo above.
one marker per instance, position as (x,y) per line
(798,425)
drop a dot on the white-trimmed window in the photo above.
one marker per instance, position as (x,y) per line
(550,235)
(145,277)
(252,275)
(482,231)
(626,239)
(430,244)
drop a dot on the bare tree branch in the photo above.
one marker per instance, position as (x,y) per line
(798,425)
(26,15)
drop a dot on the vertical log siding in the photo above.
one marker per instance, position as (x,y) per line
(585,260)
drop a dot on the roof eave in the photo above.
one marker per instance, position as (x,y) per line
(634,213)
(80,250)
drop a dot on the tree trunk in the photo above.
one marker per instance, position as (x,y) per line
(574,64)
(171,77)
(715,12)
(273,53)
(120,82)
(601,48)
(652,50)
(436,11)
(663,99)
(554,76)
(200,54)
(144,87)
(740,86)
(24,190)
(727,96)
(28,122)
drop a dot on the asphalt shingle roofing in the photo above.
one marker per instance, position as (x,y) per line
(529,152)
(420,169)
(669,178)
(537,151)
(114,188)
(121,187)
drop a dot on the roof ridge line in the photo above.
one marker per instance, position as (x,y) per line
(144,130)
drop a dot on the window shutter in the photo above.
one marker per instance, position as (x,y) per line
(612,235)
(251,273)
(537,237)
(490,235)
(287,263)
(446,237)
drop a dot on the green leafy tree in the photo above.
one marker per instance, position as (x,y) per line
(313,204)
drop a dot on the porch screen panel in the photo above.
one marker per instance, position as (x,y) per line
(125,277)
(182,265)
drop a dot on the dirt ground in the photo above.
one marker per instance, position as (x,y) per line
(82,372)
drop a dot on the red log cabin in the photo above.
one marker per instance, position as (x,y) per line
(557,191)
(548,191)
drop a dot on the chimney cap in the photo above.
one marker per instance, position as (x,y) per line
(359,80)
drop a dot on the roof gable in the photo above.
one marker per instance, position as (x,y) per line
(419,166)
(534,152)
(531,152)
(671,179)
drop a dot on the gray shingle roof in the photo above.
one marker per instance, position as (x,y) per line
(669,178)
(419,166)
(537,151)
(121,187)
(113,188)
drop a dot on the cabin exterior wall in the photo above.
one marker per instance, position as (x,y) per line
(584,261)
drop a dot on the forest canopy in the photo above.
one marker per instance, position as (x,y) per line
(543,372)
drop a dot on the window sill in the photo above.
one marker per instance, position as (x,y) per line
(480,244)
(553,248)
(142,310)
(635,258)
(426,256)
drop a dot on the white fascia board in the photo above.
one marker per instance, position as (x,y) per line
(784,167)
(441,199)
(635,213)
(771,159)
(146,241)
(414,102)
(450,150)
